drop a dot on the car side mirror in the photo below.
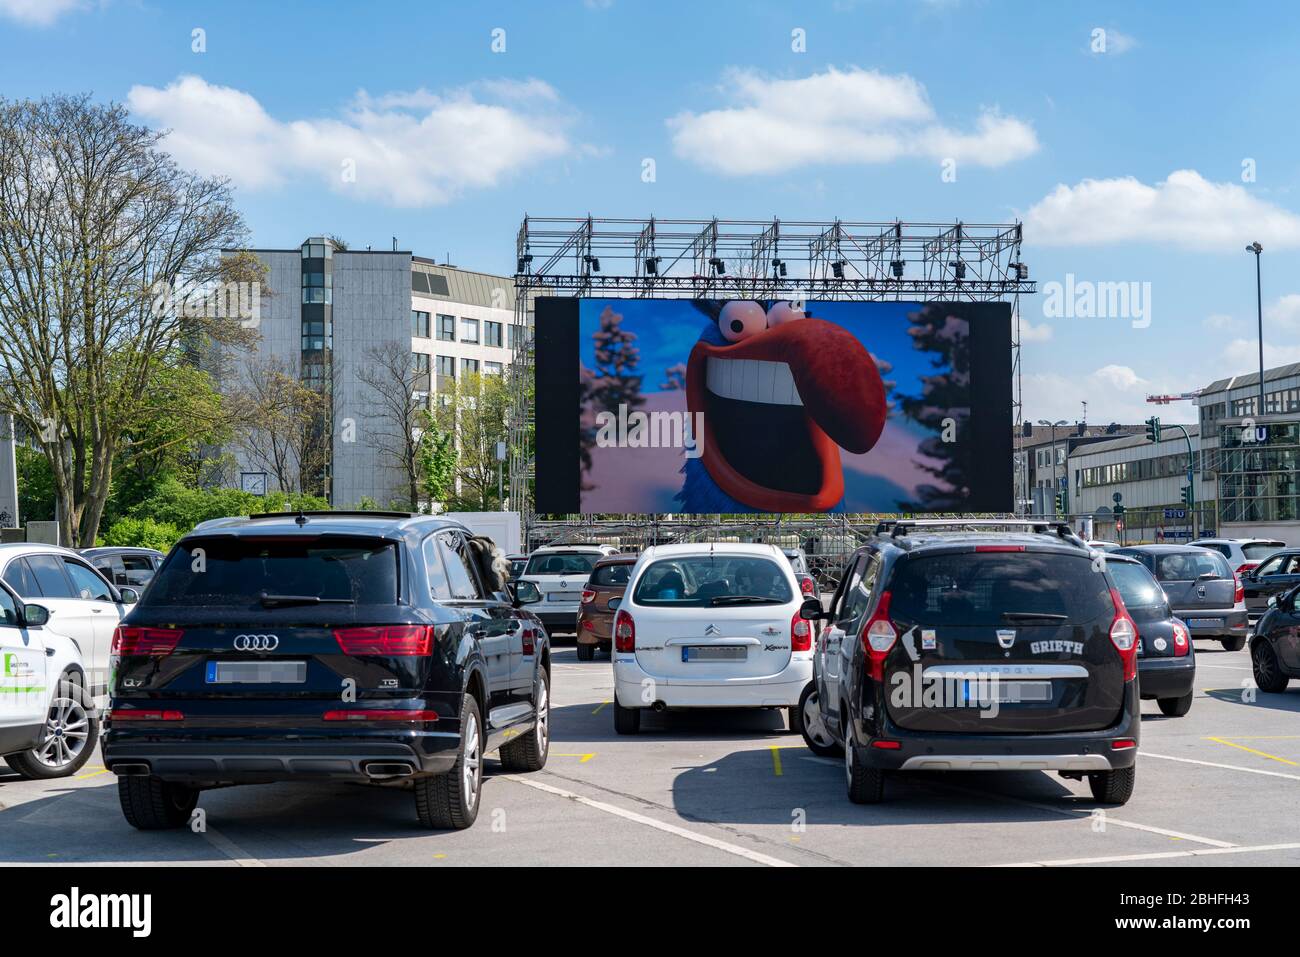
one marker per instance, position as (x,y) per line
(1272,601)
(811,610)
(524,593)
(128,596)
(613,603)
(35,615)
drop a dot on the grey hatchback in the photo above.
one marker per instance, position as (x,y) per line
(1203,590)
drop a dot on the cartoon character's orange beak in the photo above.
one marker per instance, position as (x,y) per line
(776,406)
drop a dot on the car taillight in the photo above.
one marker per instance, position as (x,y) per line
(878,637)
(137,715)
(1123,635)
(1239,590)
(624,632)
(800,633)
(528,635)
(378,714)
(588,595)
(1247,567)
(131,642)
(588,625)
(390,640)
(999,548)
(807,585)
(1181,643)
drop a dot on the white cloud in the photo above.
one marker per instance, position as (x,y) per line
(839,117)
(1184,210)
(1031,333)
(1118,42)
(1283,311)
(38,13)
(1219,322)
(408,149)
(1241,356)
(1114,393)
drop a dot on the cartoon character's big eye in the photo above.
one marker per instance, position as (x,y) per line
(741,319)
(782,312)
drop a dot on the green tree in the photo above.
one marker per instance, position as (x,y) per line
(474,412)
(35,485)
(436,456)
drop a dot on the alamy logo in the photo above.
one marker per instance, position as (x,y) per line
(74,910)
(651,430)
(1085,299)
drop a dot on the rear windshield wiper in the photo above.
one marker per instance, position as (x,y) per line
(743,600)
(279,601)
(1033,616)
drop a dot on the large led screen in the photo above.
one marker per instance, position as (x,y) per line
(711,406)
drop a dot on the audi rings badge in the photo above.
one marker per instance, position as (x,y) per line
(256,642)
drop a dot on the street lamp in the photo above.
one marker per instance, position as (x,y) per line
(1256,248)
(1053,426)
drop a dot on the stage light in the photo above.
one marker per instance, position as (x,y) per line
(896,267)
(779,266)
(1021,270)
(524,262)
(593,262)
(837,268)
(719,267)
(652,265)
(958,270)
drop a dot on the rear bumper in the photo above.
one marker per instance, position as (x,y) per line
(1083,751)
(599,632)
(781,690)
(1234,622)
(1166,677)
(565,620)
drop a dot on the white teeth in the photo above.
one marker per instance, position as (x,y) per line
(753,380)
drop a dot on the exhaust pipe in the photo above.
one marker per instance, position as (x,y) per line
(130,770)
(659,707)
(378,771)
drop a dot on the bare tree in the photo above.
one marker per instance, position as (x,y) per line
(399,400)
(98,229)
(285,425)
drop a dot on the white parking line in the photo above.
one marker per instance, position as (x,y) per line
(228,847)
(704,839)
(1227,767)
(1156,856)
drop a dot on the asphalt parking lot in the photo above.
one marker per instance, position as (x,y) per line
(1217,787)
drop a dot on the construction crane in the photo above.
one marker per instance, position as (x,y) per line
(1179,397)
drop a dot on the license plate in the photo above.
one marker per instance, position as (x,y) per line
(1205,622)
(714,653)
(1012,692)
(256,672)
(564,596)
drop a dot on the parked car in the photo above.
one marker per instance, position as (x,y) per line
(1278,573)
(560,572)
(1275,646)
(710,625)
(799,562)
(369,647)
(600,598)
(121,565)
(1203,591)
(1104,546)
(48,723)
(82,604)
(517,565)
(971,647)
(1166,658)
(1243,554)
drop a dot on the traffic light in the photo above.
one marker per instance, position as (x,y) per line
(1153,429)
(1119,511)
(1187,495)
(1062,504)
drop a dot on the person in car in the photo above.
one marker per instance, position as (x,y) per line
(760,579)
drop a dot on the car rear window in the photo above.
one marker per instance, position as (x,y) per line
(238,571)
(978,588)
(1143,597)
(1185,566)
(611,574)
(1257,551)
(707,581)
(561,563)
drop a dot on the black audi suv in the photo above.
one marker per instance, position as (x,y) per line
(379,647)
(976,645)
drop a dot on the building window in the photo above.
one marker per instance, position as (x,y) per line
(493,368)
(468,366)
(446,328)
(421,362)
(492,334)
(516,335)
(419,324)
(469,330)
(447,366)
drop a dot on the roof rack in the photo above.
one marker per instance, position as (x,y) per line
(898,528)
(335,513)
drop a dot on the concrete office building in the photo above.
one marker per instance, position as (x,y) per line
(1037,477)
(323,312)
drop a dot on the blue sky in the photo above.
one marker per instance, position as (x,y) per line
(1125,163)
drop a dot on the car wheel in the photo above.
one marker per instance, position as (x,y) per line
(529,752)
(450,801)
(1175,707)
(1113,787)
(1268,674)
(866,785)
(811,724)
(586,652)
(626,720)
(151,804)
(67,739)
(1233,644)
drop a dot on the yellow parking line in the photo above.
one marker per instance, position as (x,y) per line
(1263,737)
(92,774)
(776,761)
(585,757)
(1262,754)
(599,706)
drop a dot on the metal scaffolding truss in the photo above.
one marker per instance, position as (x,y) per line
(752,259)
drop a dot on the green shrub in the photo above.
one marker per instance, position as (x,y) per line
(142,533)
